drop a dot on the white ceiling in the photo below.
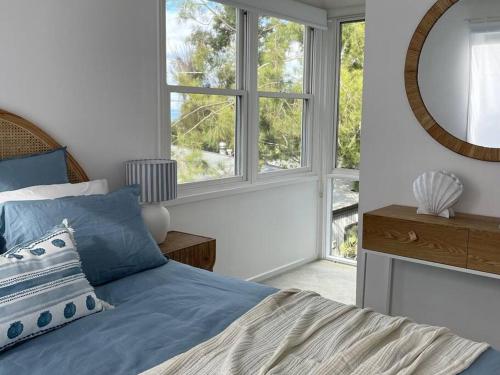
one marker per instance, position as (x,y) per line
(330,4)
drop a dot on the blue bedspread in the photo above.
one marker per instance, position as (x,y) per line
(159,313)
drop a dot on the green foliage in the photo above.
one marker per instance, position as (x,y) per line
(281,65)
(350,96)
(207,58)
(280,132)
(281,55)
(349,248)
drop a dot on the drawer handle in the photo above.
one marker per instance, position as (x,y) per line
(412,236)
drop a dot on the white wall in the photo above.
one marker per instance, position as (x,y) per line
(395,150)
(87,73)
(256,232)
(84,71)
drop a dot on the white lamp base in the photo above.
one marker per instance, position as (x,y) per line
(157,219)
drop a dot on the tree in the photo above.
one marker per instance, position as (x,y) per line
(281,64)
(349,248)
(207,59)
(350,95)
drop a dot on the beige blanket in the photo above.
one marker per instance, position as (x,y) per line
(296,332)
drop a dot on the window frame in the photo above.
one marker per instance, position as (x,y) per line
(332,171)
(239,93)
(307,98)
(336,84)
(247,112)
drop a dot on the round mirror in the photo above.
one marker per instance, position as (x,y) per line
(453,76)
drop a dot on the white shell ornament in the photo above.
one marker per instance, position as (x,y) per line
(437,192)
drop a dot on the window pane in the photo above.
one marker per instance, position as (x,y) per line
(345,199)
(201,44)
(280,133)
(281,55)
(203,136)
(350,94)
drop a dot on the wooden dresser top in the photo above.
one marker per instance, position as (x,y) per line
(469,221)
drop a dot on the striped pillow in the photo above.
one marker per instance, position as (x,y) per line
(42,287)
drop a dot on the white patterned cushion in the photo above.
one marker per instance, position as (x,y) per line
(42,287)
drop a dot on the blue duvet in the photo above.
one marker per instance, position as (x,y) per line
(159,313)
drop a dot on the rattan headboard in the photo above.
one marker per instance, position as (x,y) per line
(20,137)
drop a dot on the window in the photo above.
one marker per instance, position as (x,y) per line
(350,94)
(202,64)
(283,91)
(211,51)
(203,136)
(344,182)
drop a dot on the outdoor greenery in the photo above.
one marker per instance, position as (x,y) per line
(281,69)
(349,248)
(206,57)
(350,96)
(349,117)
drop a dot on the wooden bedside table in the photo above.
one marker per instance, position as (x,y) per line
(196,251)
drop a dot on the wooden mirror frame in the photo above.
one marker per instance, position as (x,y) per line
(415,97)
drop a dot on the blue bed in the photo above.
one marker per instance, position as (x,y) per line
(159,313)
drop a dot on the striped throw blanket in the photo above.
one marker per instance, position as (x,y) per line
(296,332)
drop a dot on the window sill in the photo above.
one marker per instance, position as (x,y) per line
(240,188)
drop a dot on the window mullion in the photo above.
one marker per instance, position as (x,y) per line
(164,130)
(308,59)
(251,77)
(284,95)
(241,101)
(205,90)
(307,118)
(240,49)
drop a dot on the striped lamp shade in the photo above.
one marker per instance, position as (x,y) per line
(157,177)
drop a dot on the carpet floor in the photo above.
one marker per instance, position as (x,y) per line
(332,280)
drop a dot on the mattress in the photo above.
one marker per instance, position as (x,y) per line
(158,314)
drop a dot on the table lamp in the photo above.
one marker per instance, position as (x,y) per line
(158,181)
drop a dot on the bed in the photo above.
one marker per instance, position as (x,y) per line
(157,314)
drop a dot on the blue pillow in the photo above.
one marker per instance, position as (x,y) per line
(2,240)
(42,288)
(47,168)
(112,238)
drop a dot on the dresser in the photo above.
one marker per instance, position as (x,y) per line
(468,243)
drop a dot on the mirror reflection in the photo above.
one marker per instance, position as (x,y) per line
(459,72)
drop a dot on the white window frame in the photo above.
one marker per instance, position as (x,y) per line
(307,116)
(238,93)
(333,172)
(247,123)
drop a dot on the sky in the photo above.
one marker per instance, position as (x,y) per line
(177,33)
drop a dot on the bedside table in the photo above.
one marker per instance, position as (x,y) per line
(196,251)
